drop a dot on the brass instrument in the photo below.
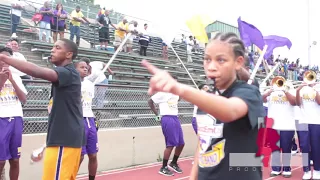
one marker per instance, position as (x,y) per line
(278,82)
(310,77)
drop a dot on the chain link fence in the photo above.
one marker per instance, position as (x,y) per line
(114,106)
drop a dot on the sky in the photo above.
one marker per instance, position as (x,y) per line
(288,18)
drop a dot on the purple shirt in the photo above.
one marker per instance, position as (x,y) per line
(46,17)
(61,21)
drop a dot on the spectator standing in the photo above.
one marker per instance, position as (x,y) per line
(144,41)
(59,22)
(285,69)
(16,12)
(164,50)
(183,39)
(196,45)
(120,32)
(190,44)
(104,22)
(133,28)
(77,19)
(45,22)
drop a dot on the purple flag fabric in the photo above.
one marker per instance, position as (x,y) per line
(250,34)
(273,42)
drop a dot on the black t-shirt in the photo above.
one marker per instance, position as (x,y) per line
(65,126)
(238,137)
(105,20)
(256,83)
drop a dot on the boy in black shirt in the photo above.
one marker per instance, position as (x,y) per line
(65,136)
(232,117)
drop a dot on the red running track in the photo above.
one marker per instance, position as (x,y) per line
(150,171)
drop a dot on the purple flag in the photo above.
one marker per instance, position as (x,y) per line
(250,34)
(275,41)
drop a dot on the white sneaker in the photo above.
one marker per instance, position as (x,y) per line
(307,175)
(286,174)
(294,152)
(316,175)
(14,35)
(274,173)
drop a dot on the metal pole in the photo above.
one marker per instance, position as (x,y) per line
(254,72)
(88,11)
(309,33)
(114,55)
(184,66)
(271,73)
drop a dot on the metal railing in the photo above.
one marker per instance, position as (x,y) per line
(114,106)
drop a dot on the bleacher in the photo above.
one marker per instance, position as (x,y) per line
(126,95)
(5,22)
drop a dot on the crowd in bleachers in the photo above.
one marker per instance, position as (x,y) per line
(292,70)
(55,21)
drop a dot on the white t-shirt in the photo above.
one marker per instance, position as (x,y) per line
(195,110)
(189,46)
(265,104)
(208,130)
(17,12)
(10,105)
(297,113)
(97,67)
(87,92)
(168,103)
(310,110)
(282,112)
(21,57)
(132,28)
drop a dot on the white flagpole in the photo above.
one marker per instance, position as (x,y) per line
(184,66)
(114,56)
(271,73)
(255,70)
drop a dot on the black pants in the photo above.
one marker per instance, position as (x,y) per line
(143,47)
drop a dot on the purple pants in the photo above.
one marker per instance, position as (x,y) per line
(286,146)
(194,125)
(172,131)
(91,136)
(309,140)
(266,110)
(304,144)
(10,138)
(314,137)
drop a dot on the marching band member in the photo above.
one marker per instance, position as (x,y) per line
(87,92)
(303,138)
(171,128)
(12,95)
(280,98)
(308,99)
